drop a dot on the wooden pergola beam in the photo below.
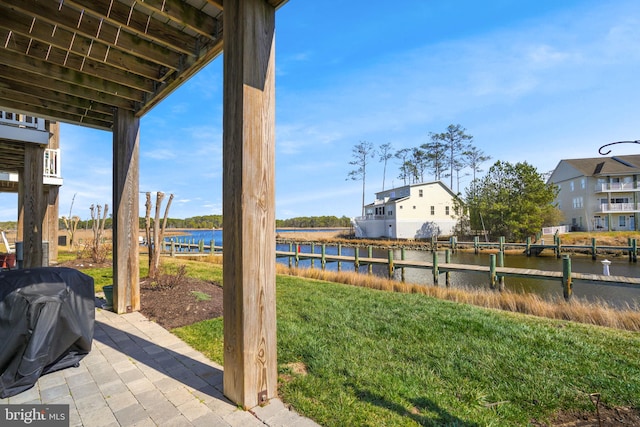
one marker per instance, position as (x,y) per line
(250,363)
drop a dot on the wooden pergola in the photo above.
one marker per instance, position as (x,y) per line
(104,64)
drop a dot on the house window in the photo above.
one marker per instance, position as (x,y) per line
(583,183)
(571,185)
(390,212)
(622,221)
(433,210)
(446,210)
(578,202)
(419,193)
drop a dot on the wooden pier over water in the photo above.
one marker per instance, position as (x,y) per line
(495,271)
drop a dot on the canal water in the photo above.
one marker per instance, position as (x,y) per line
(619,296)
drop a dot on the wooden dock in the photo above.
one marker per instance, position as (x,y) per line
(494,271)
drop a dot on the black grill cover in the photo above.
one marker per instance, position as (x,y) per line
(46,324)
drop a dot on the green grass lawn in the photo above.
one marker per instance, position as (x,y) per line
(352,356)
(378,358)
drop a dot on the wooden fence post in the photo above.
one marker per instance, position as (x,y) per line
(435,268)
(566,278)
(593,248)
(290,250)
(356,258)
(558,247)
(324,253)
(447,274)
(339,254)
(313,250)
(476,245)
(370,255)
(492,271)
(390,263)
(402,257)
(501,264)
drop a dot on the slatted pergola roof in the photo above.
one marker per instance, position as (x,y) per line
(76,61)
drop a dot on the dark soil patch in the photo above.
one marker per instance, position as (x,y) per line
(605,417)
(189,301)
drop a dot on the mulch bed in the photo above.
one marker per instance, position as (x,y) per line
(182,304)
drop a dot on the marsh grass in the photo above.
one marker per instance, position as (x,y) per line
(577,310)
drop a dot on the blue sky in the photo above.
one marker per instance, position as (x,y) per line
(531,80)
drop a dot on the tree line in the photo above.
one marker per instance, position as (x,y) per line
(210,221)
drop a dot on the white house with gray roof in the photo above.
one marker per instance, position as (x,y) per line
(415,211)
(599,194)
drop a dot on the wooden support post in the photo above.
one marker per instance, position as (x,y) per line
(313,250)
(402,256)
(356,258)
(297,254)
(527,251)
(436,273)
(290,250)
(558,247)
(501,264)
(32,202)
(173,247)
(51,217)
(126,263)
(200,246)
(390,263)
(324,254)
(476,245)
(593,248)
(339,254)
(370,255)
(634,250)
(567,286)
(434,243)
(492,271)
(250,362)
(447,275)
(501,244)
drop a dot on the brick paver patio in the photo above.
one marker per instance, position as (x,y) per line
(139,374)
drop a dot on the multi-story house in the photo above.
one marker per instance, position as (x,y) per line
(599,194)
(29,164)
(416,211)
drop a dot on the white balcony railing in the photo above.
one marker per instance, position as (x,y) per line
(52,163)
(372,216)
(619,207)
(617,186)
(21,120)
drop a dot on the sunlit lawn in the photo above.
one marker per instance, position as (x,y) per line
(379,358)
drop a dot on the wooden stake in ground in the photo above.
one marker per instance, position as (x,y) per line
(155,245)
